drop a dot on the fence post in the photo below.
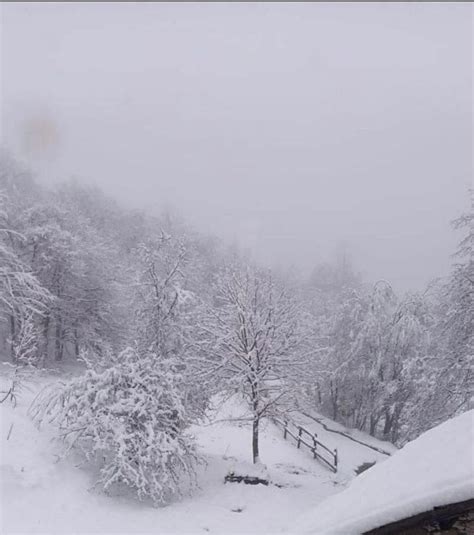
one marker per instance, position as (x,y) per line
(285,429)
(300,432)
(335,458)
(315,445)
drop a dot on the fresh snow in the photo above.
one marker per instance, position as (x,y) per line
(303,496)
(435,469)
(351,454)
(41,494)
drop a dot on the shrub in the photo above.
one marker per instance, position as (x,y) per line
(130,418)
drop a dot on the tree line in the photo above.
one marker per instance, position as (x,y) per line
(163,318)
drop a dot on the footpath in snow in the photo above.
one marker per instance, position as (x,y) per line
(352,452)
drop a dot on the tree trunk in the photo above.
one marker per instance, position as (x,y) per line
(256,419)
(388,424)
(12,337)
(44,349)
(76,344)
(396,422)
(334,400)
(59,346)
(255,452)
(374,420)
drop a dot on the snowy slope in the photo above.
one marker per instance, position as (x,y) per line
(435,469)
(351,454)
(41,495)
(60,497)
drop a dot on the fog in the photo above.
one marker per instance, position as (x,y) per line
(293,129)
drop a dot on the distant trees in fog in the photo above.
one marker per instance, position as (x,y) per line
(161,314)
(393,365)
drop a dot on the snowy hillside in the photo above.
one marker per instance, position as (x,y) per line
(60,498)
(434,470)
(236,267)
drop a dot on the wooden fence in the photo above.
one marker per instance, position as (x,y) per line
(310,440)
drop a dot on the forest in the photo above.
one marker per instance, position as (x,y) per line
(157,318)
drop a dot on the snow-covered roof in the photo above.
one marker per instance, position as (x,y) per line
(435,469)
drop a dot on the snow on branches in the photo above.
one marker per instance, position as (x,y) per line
(251,342)
(22,297)
(131,419)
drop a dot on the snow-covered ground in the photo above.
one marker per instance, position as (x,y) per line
(41,495)
(435,469)
(351,453)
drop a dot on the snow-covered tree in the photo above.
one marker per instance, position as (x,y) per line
(130,419)
(25,343)
(22,297)
(377,345)
(452,360)
(165,311)
(251,343)
(158,294)
(459,317)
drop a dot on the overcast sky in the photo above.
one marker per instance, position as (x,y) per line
(292,128)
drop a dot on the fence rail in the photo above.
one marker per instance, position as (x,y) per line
(319,450)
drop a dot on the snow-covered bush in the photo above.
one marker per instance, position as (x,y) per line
(130,418)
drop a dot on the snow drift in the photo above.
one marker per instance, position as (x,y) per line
(435,469)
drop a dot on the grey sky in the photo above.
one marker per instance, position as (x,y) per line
(290,127)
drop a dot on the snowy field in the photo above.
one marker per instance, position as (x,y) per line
(60,497)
